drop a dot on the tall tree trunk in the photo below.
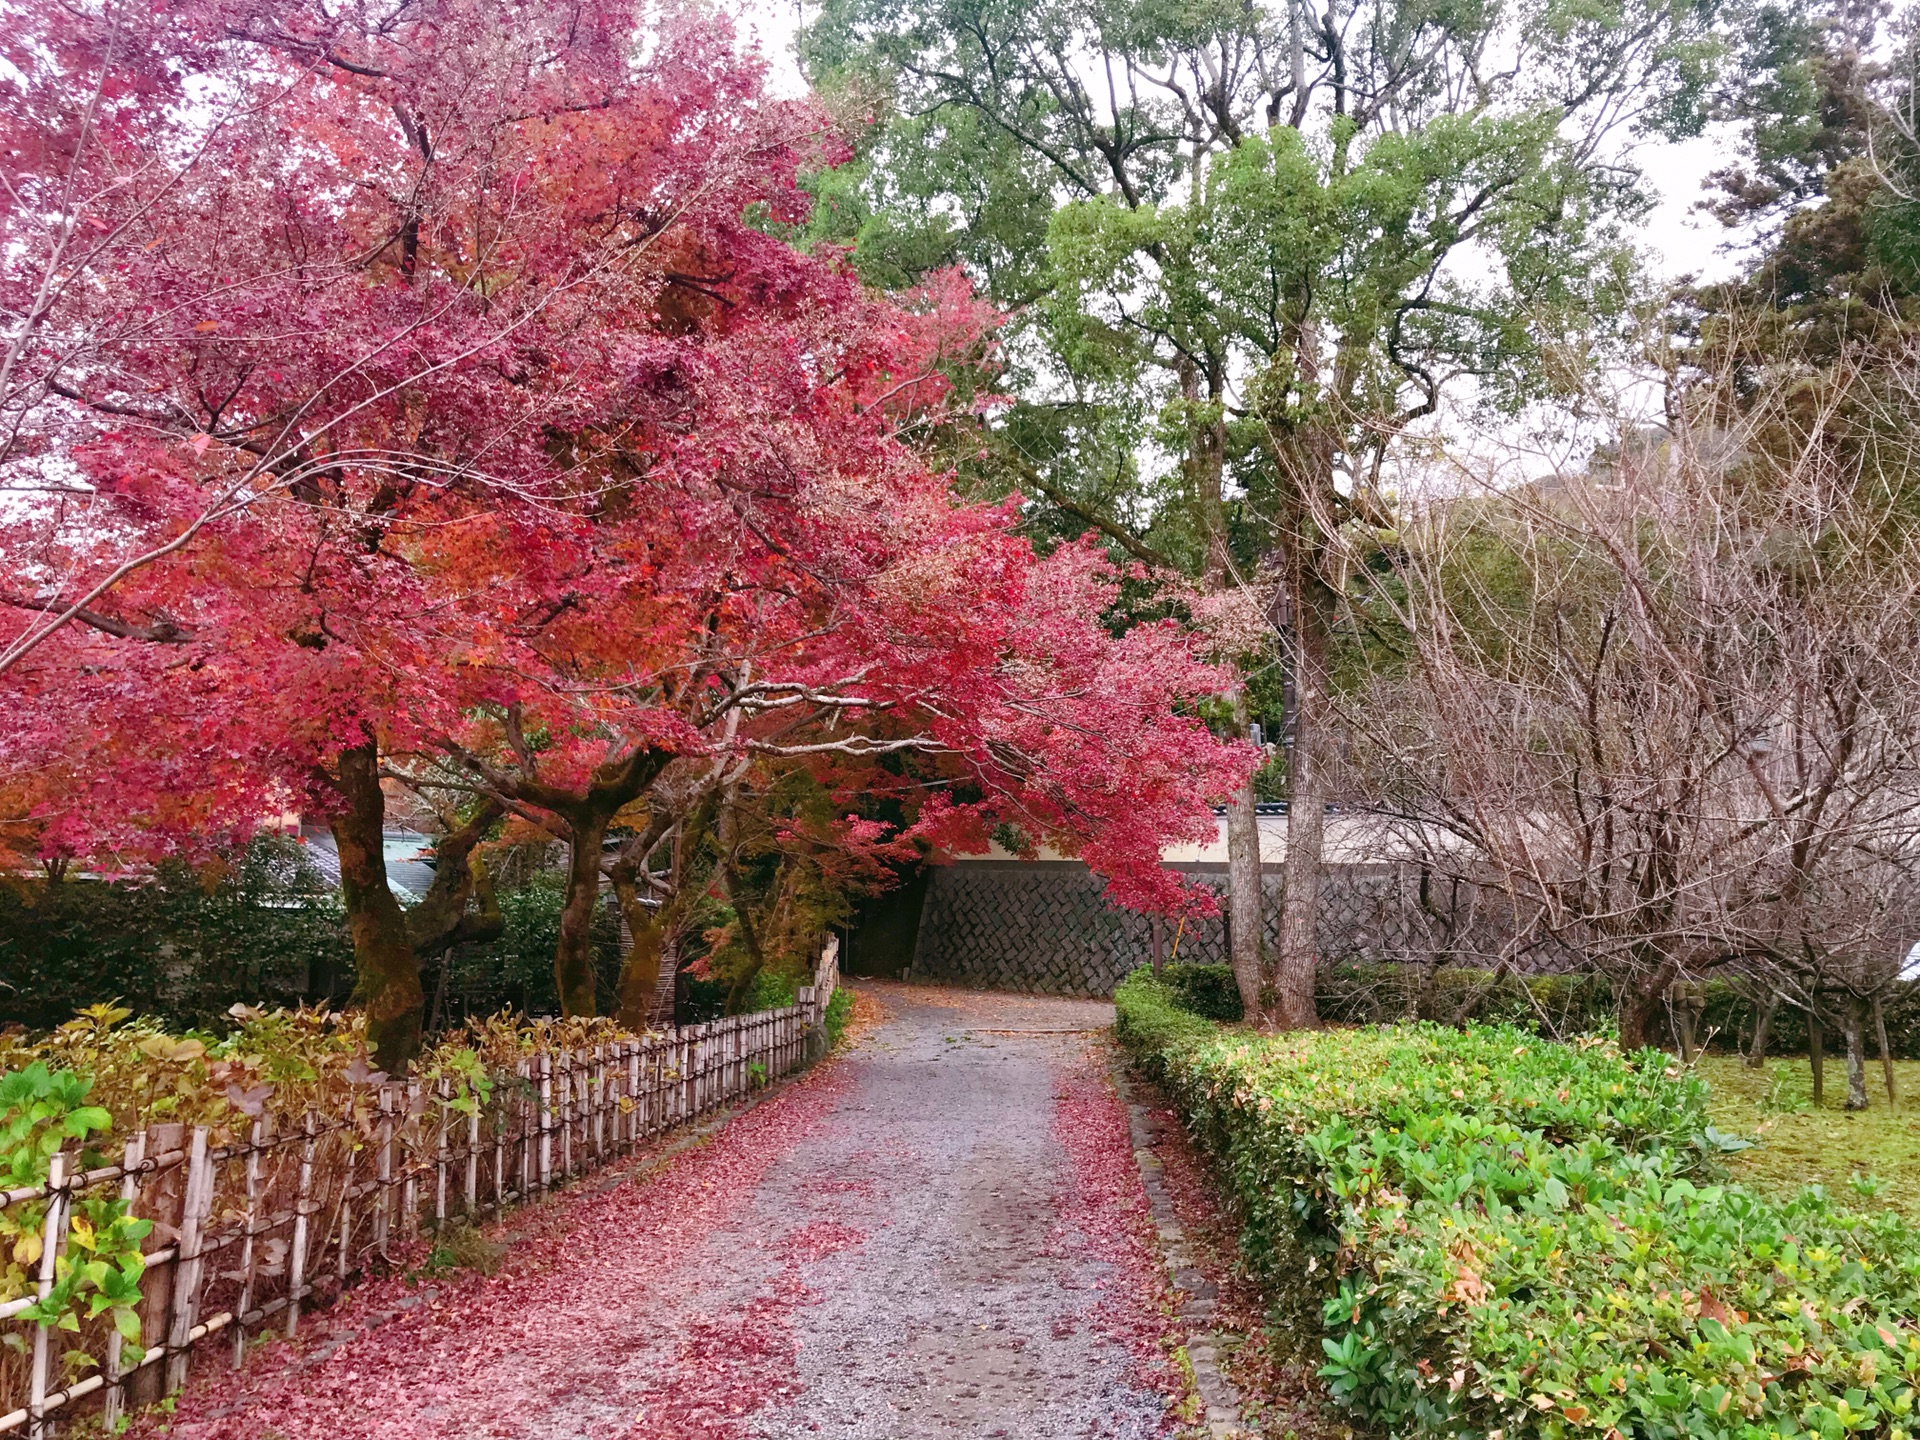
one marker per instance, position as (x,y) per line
(1886,1055)
(1297,957)
(1640,1002)
(1817,1056)
(1246,905)
(573,970)
(1244,899)
(1854,1020)
(1756,1058)
(387,972)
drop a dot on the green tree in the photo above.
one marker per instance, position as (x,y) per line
(1250,247)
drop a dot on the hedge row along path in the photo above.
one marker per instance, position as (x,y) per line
(941,1233)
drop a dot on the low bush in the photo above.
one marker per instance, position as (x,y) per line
(839,1011)
(1208,990)
(1517,1238)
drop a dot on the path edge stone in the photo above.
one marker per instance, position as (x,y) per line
(1221,1413)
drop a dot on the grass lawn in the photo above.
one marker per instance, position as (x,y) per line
(1803,1146)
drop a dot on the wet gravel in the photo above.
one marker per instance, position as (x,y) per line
(938,1234)
(970,1309)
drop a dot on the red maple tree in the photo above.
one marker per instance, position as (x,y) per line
(426,393)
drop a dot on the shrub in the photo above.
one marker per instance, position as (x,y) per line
(1207,990)
(180,943)
(839,1011)
(1524,1238)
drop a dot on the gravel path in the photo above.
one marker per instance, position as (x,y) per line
(940,1234)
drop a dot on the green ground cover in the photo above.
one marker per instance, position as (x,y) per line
(1510,1237)
(1870,1157)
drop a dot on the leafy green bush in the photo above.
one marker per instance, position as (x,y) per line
(1207,990)
(181,943)
(839,1011)
(769,991)
(1520,1238)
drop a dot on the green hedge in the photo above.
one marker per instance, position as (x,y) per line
(1560,1005)
(1519,1238)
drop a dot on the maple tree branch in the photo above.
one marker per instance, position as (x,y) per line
(164,631)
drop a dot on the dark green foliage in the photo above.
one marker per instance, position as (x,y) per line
(1206,990)
(1562,1006)
(515,972)
(1520,1237)
(183,945)
(839,1011)
(1523,1237)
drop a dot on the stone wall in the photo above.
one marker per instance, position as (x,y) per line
(1045,926)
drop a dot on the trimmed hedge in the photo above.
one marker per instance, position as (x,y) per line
(1517,1238)
(1386,993)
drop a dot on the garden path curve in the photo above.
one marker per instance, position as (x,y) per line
(940,1233)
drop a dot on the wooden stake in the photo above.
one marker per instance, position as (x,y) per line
(192,1262)
(442,1094)
(383,1175)
(546,1126)
(115,1399)
(251,1223)
(302,1213)
(53,1234)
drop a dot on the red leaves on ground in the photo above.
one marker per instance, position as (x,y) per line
(1105,1213)
(600,1309)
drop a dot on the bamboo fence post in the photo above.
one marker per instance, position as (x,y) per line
(346,1209)
(442,1092)
(53,1234)
(516,1105)
(302,1213)
(524,1127)
(656,1063)
(629,1117)
(192,1261)
(409,1153)
(115,1400)
(166,1199)
(473,1159)
(636,1088)
(689,1073)
(649,1057)
(600,1103)
(251,1227)
(546,1131)
(383,1175)
(567,1112)
(703,1070)
(582,1099)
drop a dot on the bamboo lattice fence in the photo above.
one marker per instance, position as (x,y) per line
(248,1234)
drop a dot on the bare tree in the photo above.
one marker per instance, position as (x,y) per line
(1670,707)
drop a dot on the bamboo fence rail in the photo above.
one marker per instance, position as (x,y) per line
(247,1235)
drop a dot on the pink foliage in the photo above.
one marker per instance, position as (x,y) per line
(433,377)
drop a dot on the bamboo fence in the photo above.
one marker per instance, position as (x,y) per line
(248,1235)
